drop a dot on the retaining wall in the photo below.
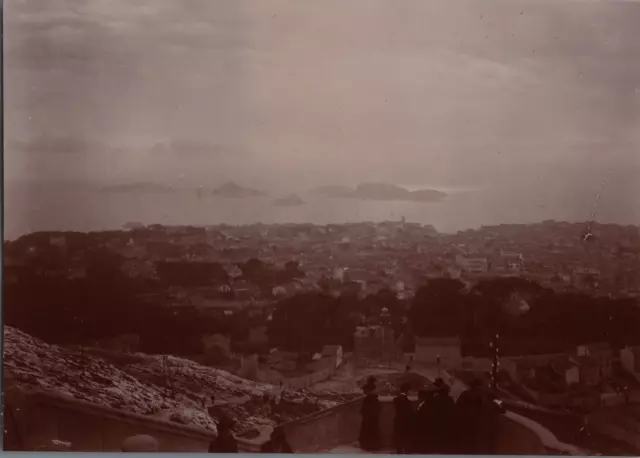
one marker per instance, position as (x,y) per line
(39,418)
(341,425)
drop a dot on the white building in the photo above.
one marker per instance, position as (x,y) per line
(473,264)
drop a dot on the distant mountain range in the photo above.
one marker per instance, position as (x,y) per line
(140,187)
(380,191)
(233,190)
(227,190)
(289,201)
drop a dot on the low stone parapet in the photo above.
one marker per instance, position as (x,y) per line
(42,418)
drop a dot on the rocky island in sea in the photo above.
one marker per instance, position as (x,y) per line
(289,201)
(233,190)
(380,191)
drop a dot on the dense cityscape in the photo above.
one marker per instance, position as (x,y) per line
(305,308)
(332,227)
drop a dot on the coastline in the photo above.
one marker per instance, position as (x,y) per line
(31,210)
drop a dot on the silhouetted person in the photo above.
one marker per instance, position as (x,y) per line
(421,424)
(370,411)
(277,443)
(477,413)
(403,420)
(493,409)
(469,410)
(440,419)
(224,441)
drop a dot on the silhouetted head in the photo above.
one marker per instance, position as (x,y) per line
(369,388)
(423,395)
(440,386)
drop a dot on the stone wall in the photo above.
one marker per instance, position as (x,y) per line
(40,418)
(341,425)
(325,430)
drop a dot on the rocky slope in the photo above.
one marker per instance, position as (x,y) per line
(138,384)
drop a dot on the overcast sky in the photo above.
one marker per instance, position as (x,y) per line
(442,92)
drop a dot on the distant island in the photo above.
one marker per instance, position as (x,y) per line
(289,201)
(133,225)
(380,191)
(141,187)
(233,190)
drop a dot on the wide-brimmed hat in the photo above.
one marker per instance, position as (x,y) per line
(440,385)
(370,385)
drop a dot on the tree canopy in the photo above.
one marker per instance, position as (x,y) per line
(528,317)
(306,322)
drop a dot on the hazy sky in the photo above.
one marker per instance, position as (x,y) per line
(446,92)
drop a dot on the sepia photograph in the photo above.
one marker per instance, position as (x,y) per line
(321,226)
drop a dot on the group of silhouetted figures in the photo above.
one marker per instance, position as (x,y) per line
(438,425)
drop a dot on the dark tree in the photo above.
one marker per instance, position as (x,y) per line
(437,307)
(309,321)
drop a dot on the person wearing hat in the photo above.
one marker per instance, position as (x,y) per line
(441,419)
(469,410)
(277,442)
(370,411)
(224,441)
(476,412)
(403,421)
(421,423)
